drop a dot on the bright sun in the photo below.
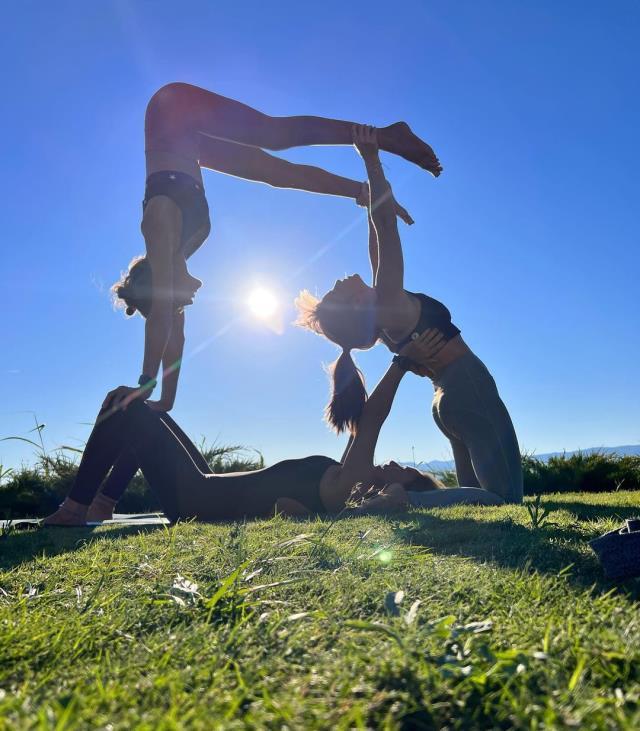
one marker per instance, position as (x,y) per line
(262,303)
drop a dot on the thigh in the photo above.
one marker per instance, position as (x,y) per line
(195,454)
(490,440)
(465,471)
(164,461)
(464,466)
(184,491)
(243,161)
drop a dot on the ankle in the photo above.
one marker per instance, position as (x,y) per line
(104,501)
(71,507)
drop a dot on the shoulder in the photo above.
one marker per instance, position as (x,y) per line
(431,303)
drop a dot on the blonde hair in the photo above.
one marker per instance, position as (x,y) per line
(348,391)
(133,290)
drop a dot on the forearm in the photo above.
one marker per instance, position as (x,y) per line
(373,247)
(157,331)
(358,460)
(170,378)
(171,362)
(381,206)
(379,403)
(389,273)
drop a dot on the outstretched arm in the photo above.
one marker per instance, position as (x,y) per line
(171,362)
(373,247)
(389,275)
(358,460)
(161,227)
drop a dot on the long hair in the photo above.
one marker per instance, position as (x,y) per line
(348,329)
(424,482)
(134,289)
(348,394)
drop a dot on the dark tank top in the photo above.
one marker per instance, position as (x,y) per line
(432,314)
(297,479)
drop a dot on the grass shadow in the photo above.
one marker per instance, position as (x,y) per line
(547,550)
(586,512)
(17,547)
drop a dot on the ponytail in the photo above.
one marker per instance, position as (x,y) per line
(348,394)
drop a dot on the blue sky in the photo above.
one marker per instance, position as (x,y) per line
(530,236)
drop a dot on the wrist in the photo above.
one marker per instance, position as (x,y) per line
(147,383)
(402,362)
(372,160)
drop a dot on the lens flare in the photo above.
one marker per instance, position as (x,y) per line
(262,303)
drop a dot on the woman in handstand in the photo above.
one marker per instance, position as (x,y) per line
(466,406)
(186,129)
(186,489)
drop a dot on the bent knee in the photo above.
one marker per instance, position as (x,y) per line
(169,94)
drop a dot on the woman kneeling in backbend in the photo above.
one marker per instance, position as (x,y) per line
(466,406)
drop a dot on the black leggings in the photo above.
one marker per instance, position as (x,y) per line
(171,467)
(128,464)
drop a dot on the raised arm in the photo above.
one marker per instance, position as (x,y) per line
(389,277)
(171,362)
(161,227)
(161,230)
(357,462)
(373,247)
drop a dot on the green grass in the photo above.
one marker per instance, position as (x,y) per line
(300,624)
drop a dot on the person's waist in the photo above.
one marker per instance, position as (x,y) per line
(452,351)
(161,161)
(174,178)
(466,362)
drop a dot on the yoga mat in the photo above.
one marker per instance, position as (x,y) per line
(118,519)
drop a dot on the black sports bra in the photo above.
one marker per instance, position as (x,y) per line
(432,314)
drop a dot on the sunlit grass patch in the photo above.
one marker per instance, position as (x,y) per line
(462,617)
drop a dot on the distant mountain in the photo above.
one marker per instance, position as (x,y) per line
(625,450)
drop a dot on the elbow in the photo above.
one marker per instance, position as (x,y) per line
(385,223)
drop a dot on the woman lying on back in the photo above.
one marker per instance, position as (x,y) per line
(186,489)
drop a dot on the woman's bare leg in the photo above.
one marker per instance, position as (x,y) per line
(178,112)
(252,163)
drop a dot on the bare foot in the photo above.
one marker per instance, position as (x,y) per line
(100,509)
(69,513)
(399,139)
(392,499)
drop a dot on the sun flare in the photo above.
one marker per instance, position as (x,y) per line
(262,303)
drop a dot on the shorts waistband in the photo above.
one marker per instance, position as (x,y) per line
(466,365)
(174,177)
